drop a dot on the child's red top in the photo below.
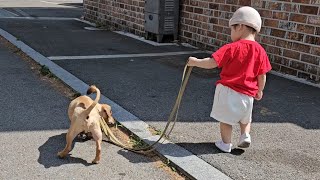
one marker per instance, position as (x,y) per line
(241,62)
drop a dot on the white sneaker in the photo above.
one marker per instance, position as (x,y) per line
(223,146)
(244,141)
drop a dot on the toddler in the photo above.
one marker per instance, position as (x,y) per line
(244,65)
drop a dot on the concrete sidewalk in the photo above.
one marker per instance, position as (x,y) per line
(286,122)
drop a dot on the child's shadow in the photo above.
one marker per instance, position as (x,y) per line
(48,153)
(207,148)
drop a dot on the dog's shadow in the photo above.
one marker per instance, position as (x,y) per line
(48,153)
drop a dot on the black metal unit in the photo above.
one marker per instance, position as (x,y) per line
(161,18)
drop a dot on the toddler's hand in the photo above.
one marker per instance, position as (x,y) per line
(259,95)
(191,61)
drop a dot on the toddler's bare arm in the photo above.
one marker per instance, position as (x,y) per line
(206,63)
(261,83)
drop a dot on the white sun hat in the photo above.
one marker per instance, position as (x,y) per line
(248,16)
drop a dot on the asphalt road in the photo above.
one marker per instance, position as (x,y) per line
(286,122)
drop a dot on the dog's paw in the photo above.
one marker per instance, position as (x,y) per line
(95,162)
(61,155)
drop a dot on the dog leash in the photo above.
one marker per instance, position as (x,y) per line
(172,119)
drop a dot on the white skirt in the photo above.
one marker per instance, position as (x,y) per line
(231,107)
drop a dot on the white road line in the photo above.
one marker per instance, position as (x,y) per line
(41,18)
(6,13)
(144,40)
(55,58)
(86,22)
(21,12)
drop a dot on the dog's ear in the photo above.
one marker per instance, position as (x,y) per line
(82,105)
(108,112)
(106,109)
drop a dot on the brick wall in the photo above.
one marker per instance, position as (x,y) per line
(125,15)
(290,33)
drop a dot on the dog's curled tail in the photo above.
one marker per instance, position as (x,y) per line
(93,89)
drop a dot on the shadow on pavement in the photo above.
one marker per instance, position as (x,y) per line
(48,153)
(134,157)
(207,148)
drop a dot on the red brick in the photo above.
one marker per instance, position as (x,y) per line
(291,54)
(211,34)
(278,33)
(301,1)
(315,51)
(227,30)
(192,29)
(245,2)
(268,40)
(208,12)
(298,18)
(298,65)
(193,2)
(301,47)
(228,15)
(275,67)
(205,26)
(288,71)
(201,31)
(305,28)
(224,22)
(234,8)
(204,18)
(314,20)
(185,14)
(285,61)
(312,69)
(141,3)
(315,2)
(257,3)
(231,1)
(214,6)
(186,2)
(273,50)
(217,28)
(318,31)
(295,36)
(310,59)
(197,23)
(271,23)
(309,9)
(187,34)
(280,15)
(223,7)
(309,77)
(265,13)
(188,21)
(198,10)
(274,5)
(284,44)
(189,9)
(312,40)
(290,8)
(220,1)
(203,4)
(287,25)
(281,60)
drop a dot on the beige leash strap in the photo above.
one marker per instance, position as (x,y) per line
(173,117)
